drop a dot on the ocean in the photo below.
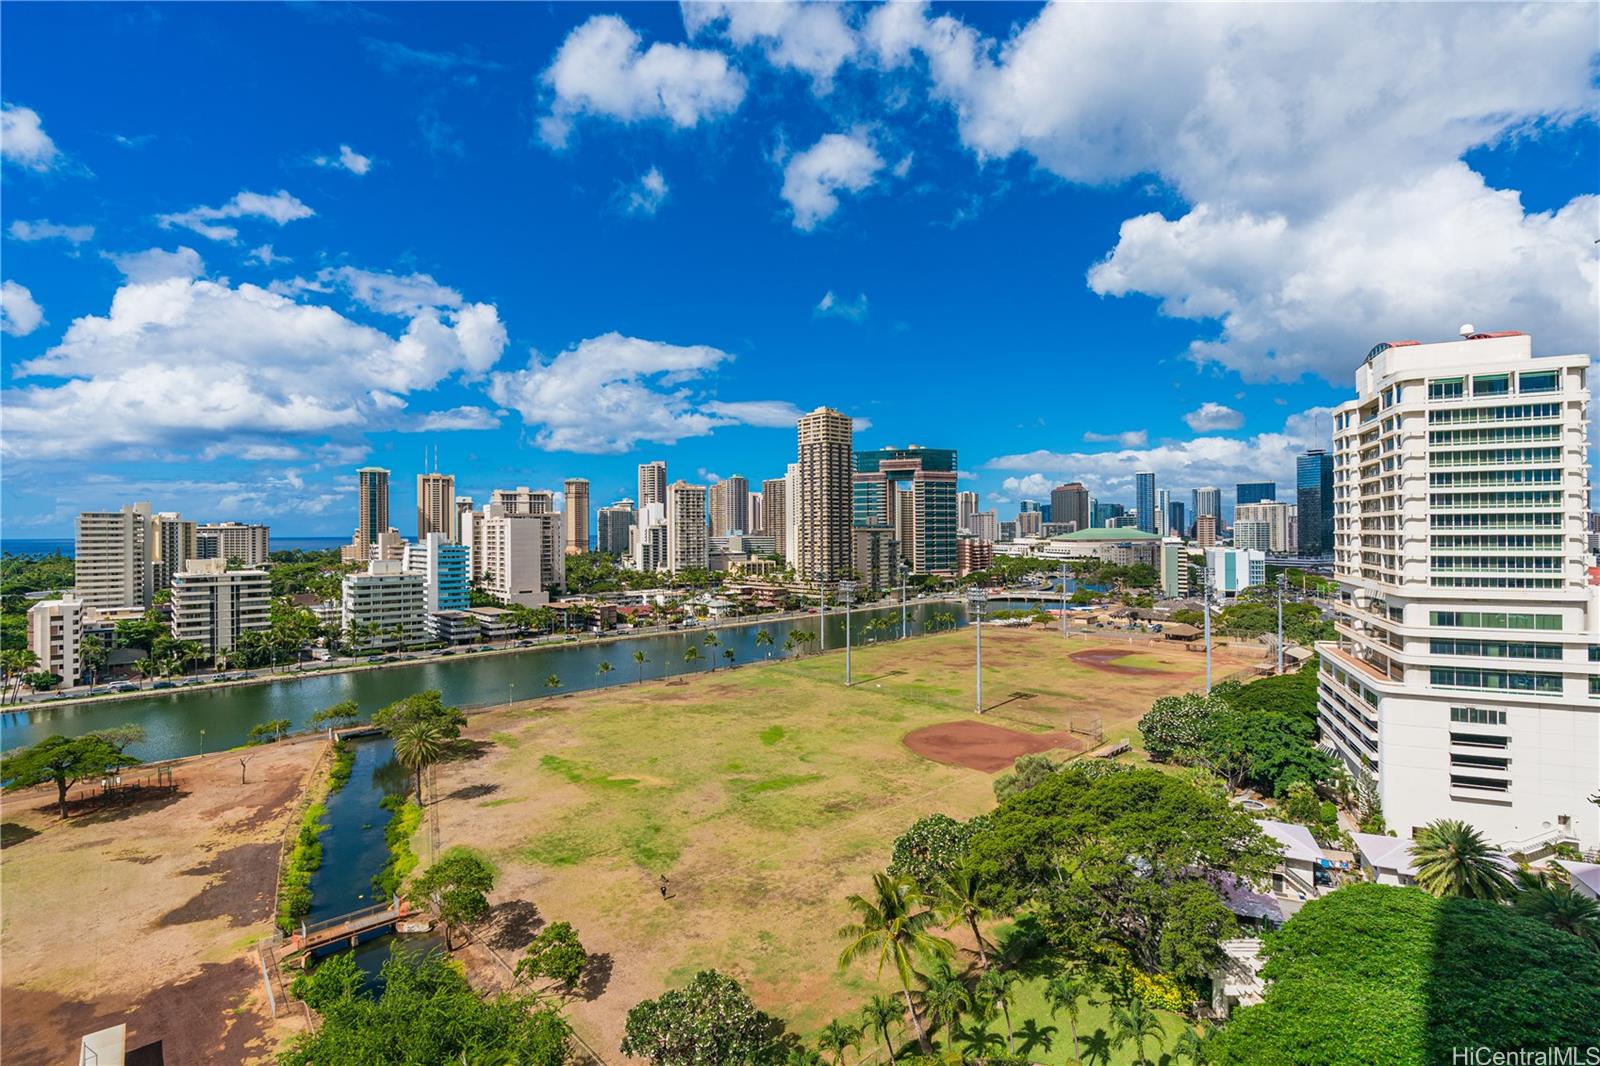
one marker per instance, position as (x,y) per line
(63,546)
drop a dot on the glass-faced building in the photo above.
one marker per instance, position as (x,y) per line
(1144,500)
(889,479)
(1255,491)
(1314,502)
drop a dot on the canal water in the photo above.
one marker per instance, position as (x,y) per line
(189,721)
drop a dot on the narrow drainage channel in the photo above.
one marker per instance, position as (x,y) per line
(354,851)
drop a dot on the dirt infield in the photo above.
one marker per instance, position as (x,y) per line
(1106,659)
(981,746)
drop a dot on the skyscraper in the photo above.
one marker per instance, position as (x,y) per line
(1463,677)
(966,504)
(1208,501)
(172,544)
(729,505)
(1177,521)
(112,558)
(929,476)
(436,506)
(1163,508)
(1070,503)
(1255,492)
(1314,497)
(523,500)
(373,517)
(686,527)
(614,527)
(575,491)
(1144,500)
(652,483)
(824,505)
(775,512)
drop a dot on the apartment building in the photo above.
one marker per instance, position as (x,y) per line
(518,557)
(213,606)
(436,506)
(385,606)
(250,544)
(1279,519)
(172,544)
(575,492)
(55,635)
(825,499)
(1466,674)
(687,545)
(652,483)
(112,554)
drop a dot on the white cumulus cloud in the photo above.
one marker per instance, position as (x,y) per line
(814,39)
(44,230)
(601,69)
(1211,416)
(279,207)
(347,159)
(23,140)
(155,264)
(813,179)
(1132,438)
(646,196)
(831,306)
(20,315)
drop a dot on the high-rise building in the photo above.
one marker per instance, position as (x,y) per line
(1252,534)
(985,525)
(111,556)
(775,512)
(614,527)
(966,504)
(385,606)
(575,491)
(1069,503)
(1205,530)
(652,483)
(648,541)
(1277,516)
(905,521)
(1144,501)
(877,557)
(756,517)
(436,506)
(687,548)
(1464,678)
(55,635)
(1208,501)
(824,503)
(443,566)
(172,545)
(523,500)
(372,516)
(520,557)
(973,554)
(1177,520)
(791,516)
(250,544)
(214,606)
(1174,565)
(1029,523)
(463,505)
(930,476)
(1254,492)
(728,503)
(1163,509)
(1314,497)
(1100,514)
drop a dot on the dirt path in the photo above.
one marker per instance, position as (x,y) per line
(144,912)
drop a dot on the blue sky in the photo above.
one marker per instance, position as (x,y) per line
(248,248)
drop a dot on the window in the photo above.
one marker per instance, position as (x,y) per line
(1543,381)
(1445,389)
(1482,762)
(1477,716)
(1479,740)
(1479,784)
(1491,385)
(1498,680)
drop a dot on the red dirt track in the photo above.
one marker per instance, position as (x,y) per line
(981,746)
(1105,659)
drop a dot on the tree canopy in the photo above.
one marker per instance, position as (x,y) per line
(556,955)
(931,849)
(427,1012)
(63,761)
(711,1021)
(426,706)
(1376,973)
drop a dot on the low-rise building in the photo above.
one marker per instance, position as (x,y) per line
(1296,876)
(213,606)
(494,623)
(1235,569)
(1386,860)
(384,606)
(55,635)
(1121,547)
(973,554)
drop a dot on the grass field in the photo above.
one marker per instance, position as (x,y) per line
(765,794)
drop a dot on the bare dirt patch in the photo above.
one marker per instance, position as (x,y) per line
(1106,659)
(981,746)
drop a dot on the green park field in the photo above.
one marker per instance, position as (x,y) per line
(765,795)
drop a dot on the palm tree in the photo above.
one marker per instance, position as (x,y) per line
(791,641)
(603,669)
(959,898)
(763,639)
(994,990)
(146,667)
(417,746)
(552,682)
(691,654)
(1067,992)
(639,659)
(1563,908)
(944,994)
(727,653)
(891,928)
(1138,1023)
(880,1013)
(711,641)
(836,1036)
(1187,1046)
(1453,859)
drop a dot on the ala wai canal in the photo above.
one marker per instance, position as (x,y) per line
(188,721)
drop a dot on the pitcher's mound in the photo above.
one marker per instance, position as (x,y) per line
(981,746)
(1106,659)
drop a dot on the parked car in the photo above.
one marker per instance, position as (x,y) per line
(164,684)
(124,686)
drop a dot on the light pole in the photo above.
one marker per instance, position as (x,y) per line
(1063,599)
(1283,583)
(904,570)
(1205,610)
(976,598)
(847,595)
(509,686)
(822,613)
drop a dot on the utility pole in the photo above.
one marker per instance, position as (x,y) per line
(847,596)
(976,598)
(1283,583)
(1063,599)
(1205,609)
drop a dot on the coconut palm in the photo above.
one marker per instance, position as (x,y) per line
(791,642)
(711,641)
(1137,1023)
(604,669)
(1187,1046)
(763,639)
(994,991)
(1066,993)
(727,653)
(1453,859)
(945,995)
(552,682)
(838,1035)
(892,928)
(959,897)
(1563,908)
(639,659)
(691,654)
(880,1013)
(417,746)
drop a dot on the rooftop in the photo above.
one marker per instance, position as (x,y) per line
(1101,533)
(1297,841)
(1385,852)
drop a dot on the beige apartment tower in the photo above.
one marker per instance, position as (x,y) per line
(775,512)
(652,483)
(687,545)
(373,483)
(112,556)
(436,506)
(577,515)
(825,511)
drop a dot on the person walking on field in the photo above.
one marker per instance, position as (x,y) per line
(663,886)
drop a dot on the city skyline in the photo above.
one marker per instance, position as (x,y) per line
(847,231)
